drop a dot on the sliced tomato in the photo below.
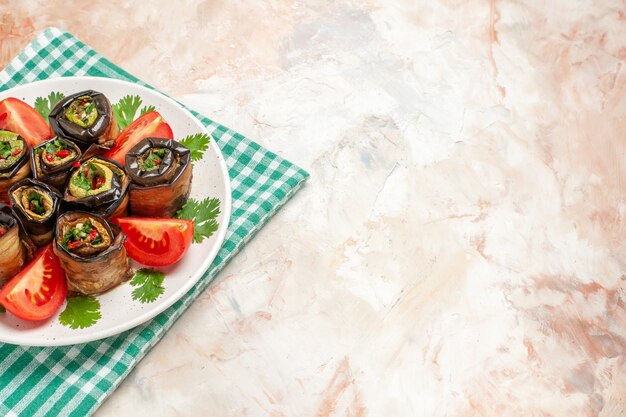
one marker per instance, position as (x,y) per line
(156,242)
(38,291)
(19,117)
(150,125)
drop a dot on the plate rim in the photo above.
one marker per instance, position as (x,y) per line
(225,207)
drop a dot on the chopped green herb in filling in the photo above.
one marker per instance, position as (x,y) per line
(56,151)
(82,111)
(3,228)
(5,149)
(152,160)
(10,150)
(35,203)
(88,178)
(81,233)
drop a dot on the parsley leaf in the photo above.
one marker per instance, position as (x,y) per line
(146,109)
(81,311)
(5,149)
(197,144)
(45,105)
(149,283)
(125,110)
(2,309)
(204,214)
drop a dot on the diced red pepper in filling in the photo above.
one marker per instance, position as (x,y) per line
(92,235)
(63,153)
(97,182)
(16,152)
(72,245)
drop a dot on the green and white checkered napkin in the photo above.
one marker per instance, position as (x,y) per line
(75,380)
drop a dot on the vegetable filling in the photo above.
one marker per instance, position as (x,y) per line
(81,234)
(3,228)
(10,151)
(82,112)
(56,151)
(90,178)
(35,203)
(151,160)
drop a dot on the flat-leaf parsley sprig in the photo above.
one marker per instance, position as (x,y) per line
(146,109)
(197,144)
(204,215)
(148,285)
(44,105)
(81,311)
(125,110)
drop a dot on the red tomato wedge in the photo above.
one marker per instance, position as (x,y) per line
(19,117)
(156,242)
(38,291)
(150,125)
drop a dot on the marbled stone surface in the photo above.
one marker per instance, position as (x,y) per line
(459,249)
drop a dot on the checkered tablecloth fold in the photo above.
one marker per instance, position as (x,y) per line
(75,380)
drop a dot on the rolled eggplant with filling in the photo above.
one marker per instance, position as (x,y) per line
(98,185)
(14,167)
(91,252)
(16,249)
(161,173)
(85,118)
(51,162)
(37,206)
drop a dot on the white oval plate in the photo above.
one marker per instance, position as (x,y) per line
(119,311)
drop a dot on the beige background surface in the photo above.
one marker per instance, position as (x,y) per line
(459,249)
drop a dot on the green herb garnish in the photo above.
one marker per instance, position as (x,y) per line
(5,149)
(55,151)
(82,111)
(45,105)
(82,179)
(80,312)
(125,110)
(197,144)
(55,145)
(149,285)
(204,215)
(82,233)
(152,160)
(10,150)
(35,201)
(146,109)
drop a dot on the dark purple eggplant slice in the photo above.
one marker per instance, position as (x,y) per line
(161,173)
(99,126)
(16,248)
(54,169)
(14,166)
(37,206)
(91,267)
(107,197)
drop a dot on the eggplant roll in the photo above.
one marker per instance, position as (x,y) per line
(16,249)
(91,252)
(37,206)
(161,172)
(86,118)
(98,185)
(51,162)
(14,167)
